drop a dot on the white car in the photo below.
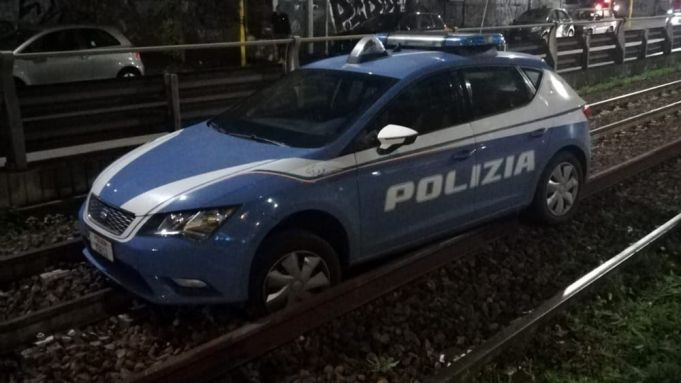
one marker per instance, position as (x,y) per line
(50,70)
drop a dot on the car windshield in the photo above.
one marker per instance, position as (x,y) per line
(534,16)
(308,108)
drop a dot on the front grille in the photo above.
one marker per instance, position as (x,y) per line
(113,219)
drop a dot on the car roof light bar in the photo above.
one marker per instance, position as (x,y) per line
(443,41)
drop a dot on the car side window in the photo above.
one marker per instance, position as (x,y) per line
(553,16)
(534,76)
(66,40)
(426,106)
(495,90)
(563,16)
(438,23)
(408,23)
(97,38)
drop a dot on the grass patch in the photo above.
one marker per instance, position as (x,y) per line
(630,332)
(636,340)
(621,81)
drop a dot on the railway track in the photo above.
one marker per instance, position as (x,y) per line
(254,339)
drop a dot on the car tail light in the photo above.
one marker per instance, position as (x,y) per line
(137,56)
(586,109)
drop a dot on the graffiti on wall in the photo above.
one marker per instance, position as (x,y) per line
(38,12)
(347,14)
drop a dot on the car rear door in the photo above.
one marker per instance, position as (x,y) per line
(423,188)
(511,137)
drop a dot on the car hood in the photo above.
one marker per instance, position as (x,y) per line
(177,163)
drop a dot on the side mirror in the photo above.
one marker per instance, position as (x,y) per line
(392,137)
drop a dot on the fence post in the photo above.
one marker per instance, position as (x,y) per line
(173,95)
(668,37)
(293,54)
(552,45)
(644,45)
(586,50)
(620,44)
(16,153)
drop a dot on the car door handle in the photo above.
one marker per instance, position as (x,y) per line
(538,132)
(463,154)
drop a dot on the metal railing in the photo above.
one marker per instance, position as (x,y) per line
(120,115)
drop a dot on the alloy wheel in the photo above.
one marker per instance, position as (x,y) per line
(562,189)
(294,277)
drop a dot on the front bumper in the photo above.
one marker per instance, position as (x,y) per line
(148,265)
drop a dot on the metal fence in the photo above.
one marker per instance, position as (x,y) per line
(42,118)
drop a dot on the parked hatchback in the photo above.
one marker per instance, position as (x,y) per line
(595,21)
(49,70)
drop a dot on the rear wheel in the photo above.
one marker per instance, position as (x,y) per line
(559,188)
(129,73)
(291,266)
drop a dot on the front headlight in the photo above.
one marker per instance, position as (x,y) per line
(194,224)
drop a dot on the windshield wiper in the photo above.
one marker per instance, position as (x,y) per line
(255,138)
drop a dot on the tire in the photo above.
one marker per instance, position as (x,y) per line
(557,204)
(129,73)
(274,284)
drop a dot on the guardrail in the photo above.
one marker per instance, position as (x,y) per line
(54,116)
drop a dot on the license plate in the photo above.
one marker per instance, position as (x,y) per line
(101,246)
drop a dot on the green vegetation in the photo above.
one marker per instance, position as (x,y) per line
(635,340)
(629,333)
(621,81)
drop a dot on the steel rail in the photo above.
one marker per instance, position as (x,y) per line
(519,330)
(29,263)
(235,348)
(228,351)
(83,310)
(633,94)
(637,119)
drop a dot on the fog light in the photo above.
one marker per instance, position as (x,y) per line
(190,283)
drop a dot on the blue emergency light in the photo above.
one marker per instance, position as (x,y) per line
(443,41)
(374,47)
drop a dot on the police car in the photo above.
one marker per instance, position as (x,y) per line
(407,139)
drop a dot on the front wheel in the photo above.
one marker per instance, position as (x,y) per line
(291,266)
(560,185)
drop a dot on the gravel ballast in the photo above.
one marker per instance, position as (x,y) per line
(18,236)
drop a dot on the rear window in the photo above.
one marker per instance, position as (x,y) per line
(97,38)
(496,90)
(534,75)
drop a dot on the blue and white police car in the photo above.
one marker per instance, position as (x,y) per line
(340,162)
